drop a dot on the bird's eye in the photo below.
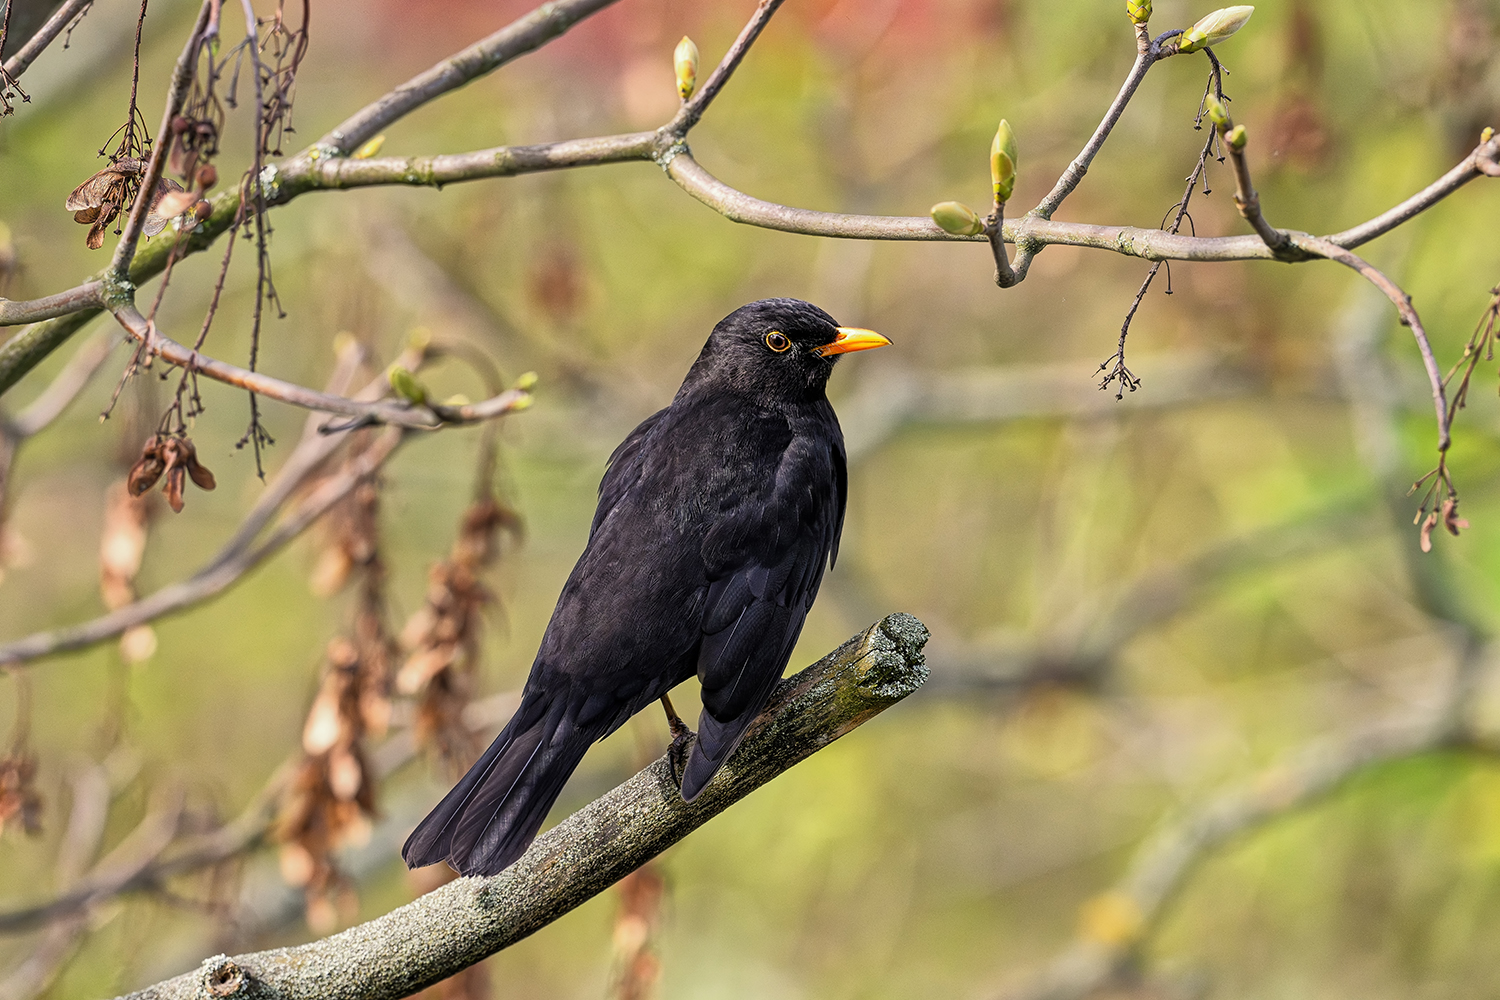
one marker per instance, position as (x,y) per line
(777,341)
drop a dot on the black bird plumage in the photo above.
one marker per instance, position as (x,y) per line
(716,518)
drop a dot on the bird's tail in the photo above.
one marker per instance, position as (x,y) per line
(492,815)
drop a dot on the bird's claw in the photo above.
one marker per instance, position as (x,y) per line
(682,741)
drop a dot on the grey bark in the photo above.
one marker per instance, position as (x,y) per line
(470,919)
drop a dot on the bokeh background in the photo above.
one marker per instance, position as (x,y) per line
(1136,606)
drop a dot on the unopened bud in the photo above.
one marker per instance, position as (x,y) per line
(1486,135)
(1139,11)
(1215,110)
(370,148)
(406,385)
(208,176)
(957,218)
(1003,161)
(1214,28)
(1236,138)
(527,381)
(685,62)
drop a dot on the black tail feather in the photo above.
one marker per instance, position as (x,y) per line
(492,815)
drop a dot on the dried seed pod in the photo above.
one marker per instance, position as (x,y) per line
(148,468)
(202,478)
(19,799)
(176,479)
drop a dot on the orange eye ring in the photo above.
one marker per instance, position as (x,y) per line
(778,341)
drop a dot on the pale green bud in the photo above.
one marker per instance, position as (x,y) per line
(527,381)
(1003,161)
(1215,110)
(407,386)
(1214,28)
(370,148)
(1236,138)
(957,218)
(1139,11)
(685,62)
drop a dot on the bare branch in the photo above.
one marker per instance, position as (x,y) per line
(60,19)
(1409,317)
(330,173)
(84,296)
(515,39)
(468,919)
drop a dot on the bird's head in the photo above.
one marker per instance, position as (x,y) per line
(777,350)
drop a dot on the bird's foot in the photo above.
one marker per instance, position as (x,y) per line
(682,740)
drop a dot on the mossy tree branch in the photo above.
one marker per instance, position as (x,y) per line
(470,919)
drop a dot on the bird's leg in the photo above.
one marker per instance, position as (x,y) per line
(682,738)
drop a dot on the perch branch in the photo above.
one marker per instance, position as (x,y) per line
(468,919)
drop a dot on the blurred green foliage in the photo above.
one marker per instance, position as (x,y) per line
(946,849)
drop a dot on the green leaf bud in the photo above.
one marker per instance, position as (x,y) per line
(1236,138)
(1139,11)
(1003,161)
(1214,28)
(685,62)
(1215,110)
(957,218)
(407,386)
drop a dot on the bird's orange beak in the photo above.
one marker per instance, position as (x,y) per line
(852,339)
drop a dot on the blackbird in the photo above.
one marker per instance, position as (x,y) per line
(716,517)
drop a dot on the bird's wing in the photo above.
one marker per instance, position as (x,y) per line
(624,469)
(766,561)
